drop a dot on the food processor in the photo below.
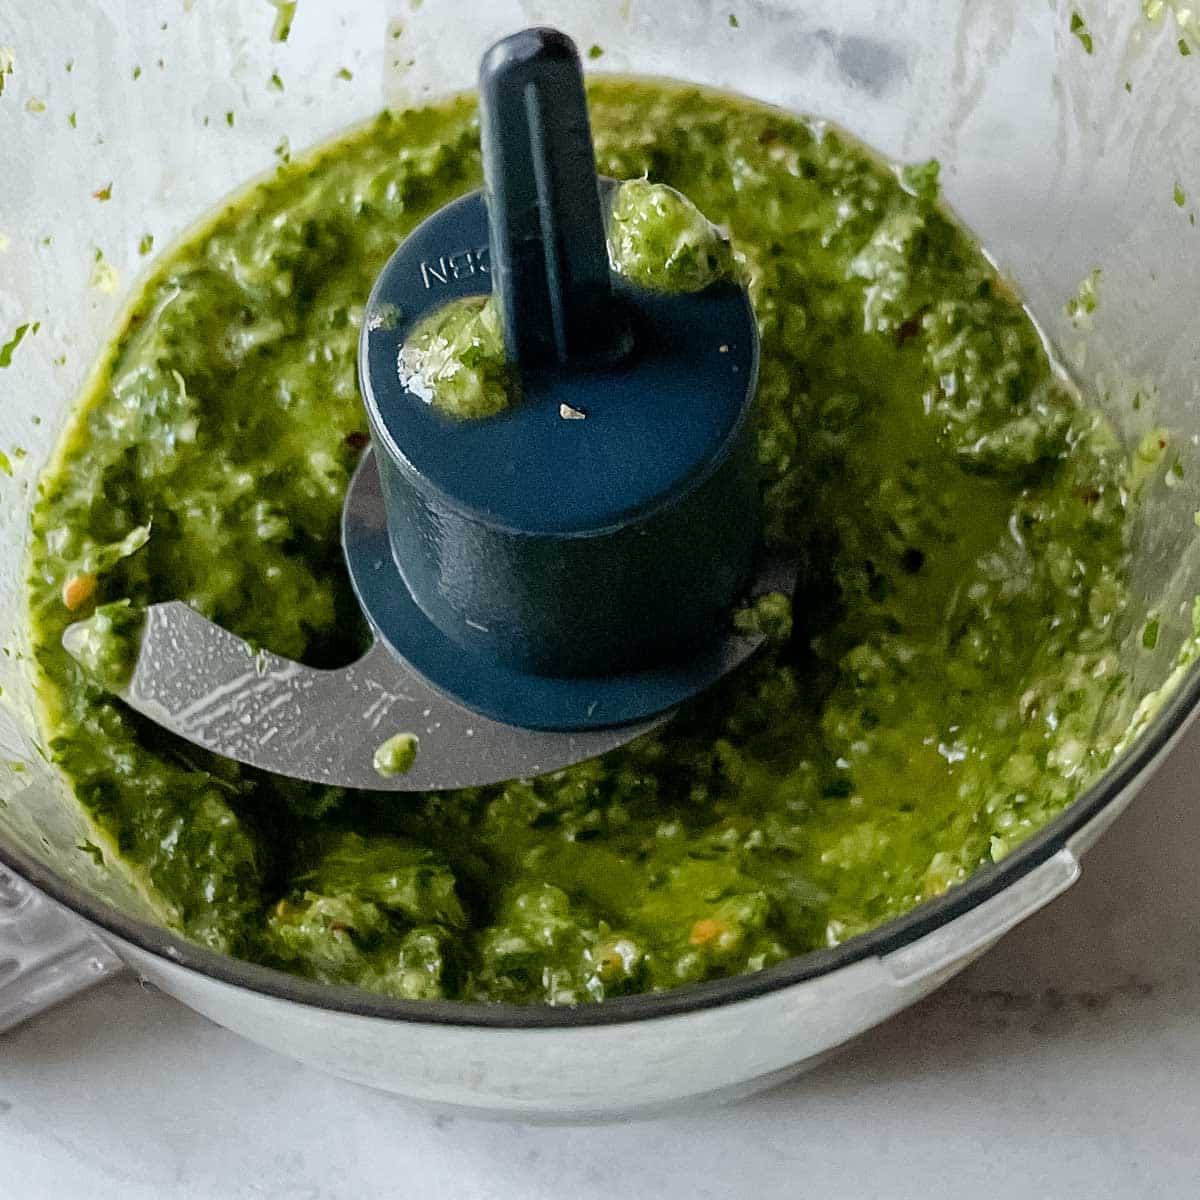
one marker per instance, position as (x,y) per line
(1068,156)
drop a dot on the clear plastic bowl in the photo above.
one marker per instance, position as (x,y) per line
(1061,161)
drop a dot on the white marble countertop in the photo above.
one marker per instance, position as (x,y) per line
(1064,1064)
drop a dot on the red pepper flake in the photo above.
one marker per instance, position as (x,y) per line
(705,930)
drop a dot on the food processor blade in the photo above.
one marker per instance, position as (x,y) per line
(201,682)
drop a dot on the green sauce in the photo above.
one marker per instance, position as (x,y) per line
(454,360)
(931,700)
(660,240)
(396,755)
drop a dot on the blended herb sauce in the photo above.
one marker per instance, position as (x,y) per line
(454,358)
(959,514)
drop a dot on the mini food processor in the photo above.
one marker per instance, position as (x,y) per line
(1072,159)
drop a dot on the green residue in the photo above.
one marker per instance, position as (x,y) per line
(346,74)
(595,52)
(1080,30)
(72,120)
(659,239)
(1180,196)
(1149,706)
(1086,299)
(229,118)
(92,851)
(145,244)
(770,616)
(103,193)
(8,60)
(104,277)
(733,21)
(921,179)
(396,756)
(384,316)
(137,72)
(283,150)
(1184,48)
(285,14)
(454,359)
(1148,457)
(34,105)
(275,81)
(9,348)
(1150,633)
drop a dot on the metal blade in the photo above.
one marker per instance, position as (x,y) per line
(199,681)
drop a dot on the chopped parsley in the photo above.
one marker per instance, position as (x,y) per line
(9,347)
(921,180)
(1080,30)
(285,14)
(397,755)
(1085,300)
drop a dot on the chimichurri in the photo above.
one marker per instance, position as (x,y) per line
(454,358)
(931,699)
